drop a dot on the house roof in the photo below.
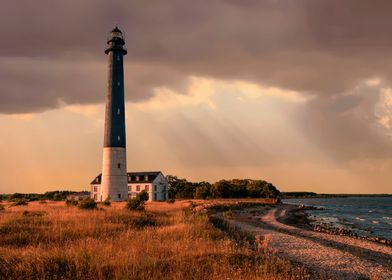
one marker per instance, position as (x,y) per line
(133,177)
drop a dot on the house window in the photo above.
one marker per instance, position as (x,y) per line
(155,196)
(155,188)
(95,188)
(138,188)
(137,178)
(145,177)
(130,188)
(119,165)
(146,188)
(119,195)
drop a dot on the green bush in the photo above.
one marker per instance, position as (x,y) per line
(171,200)
(71,202)
(137,203)
(19,202)
(88,203)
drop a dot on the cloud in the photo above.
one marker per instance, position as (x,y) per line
(203,91)
(330,58)
(311,47)
(346,126)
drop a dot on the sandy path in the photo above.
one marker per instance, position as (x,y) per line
(332,256)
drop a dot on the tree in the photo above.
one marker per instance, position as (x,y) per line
(137,203)
(203,191)
(180,188)
(255,189)
(270,191)
(221,189)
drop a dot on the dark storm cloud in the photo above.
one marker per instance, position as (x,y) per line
(310,46)
(51,53)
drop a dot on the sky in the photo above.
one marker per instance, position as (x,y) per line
(298,93)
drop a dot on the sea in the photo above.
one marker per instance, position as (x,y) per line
(366,216)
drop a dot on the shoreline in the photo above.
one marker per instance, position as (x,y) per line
(285,231)
(296,215)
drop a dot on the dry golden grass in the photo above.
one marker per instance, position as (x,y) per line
(53,241)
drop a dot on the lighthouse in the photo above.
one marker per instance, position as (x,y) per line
(114,184)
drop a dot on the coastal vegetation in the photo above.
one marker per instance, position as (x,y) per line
(87,204)
(51,195)
(137,203)
(180,188)
(166,241)
(236,188)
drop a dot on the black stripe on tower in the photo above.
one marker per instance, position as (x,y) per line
(115,101)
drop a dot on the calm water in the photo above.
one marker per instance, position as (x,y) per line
(364,215)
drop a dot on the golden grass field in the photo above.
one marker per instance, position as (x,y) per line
(54,241)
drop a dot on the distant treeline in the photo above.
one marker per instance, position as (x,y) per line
(327,195)
(182,189)
(53,195)
(236,188)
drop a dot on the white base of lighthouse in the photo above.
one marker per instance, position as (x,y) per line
(114,182)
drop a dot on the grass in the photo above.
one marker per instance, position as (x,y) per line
(53,241)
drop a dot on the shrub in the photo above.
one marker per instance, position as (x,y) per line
(43,202)
(106,202)
(71,202)
(88,203)
(171,200)
(19,202)
(137,203)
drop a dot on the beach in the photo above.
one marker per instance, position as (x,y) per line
(327,256)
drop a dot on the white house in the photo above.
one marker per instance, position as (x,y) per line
(154,183)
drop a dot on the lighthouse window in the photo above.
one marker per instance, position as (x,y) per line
(118,83)
(119,165)
(118,138)
(118,111)
(118,58)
